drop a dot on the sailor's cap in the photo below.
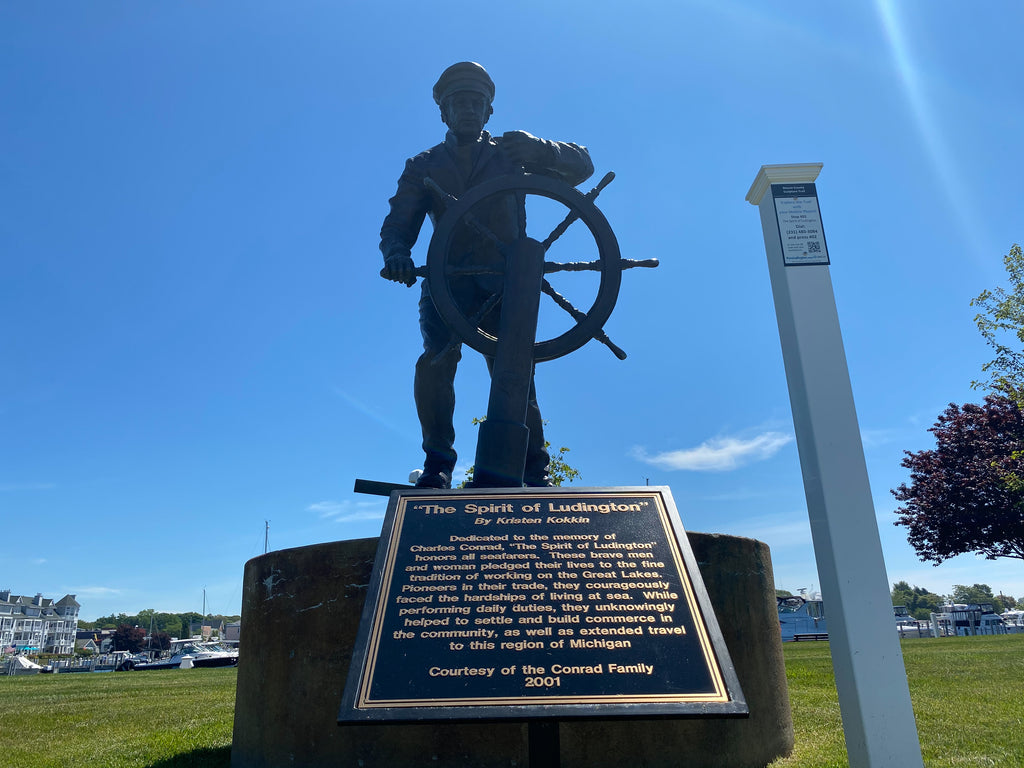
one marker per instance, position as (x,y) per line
(464,76)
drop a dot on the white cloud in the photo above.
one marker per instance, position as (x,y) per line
(326,508)
(348,511)
(369,412)
(778,530)
(719,454)
(782,535)
(874,438)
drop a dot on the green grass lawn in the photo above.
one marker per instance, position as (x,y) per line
(163,718)
(968,696)
(967,693)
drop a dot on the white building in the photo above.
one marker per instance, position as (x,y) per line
(38,623)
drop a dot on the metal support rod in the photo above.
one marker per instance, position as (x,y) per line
(501,447)
(377,488)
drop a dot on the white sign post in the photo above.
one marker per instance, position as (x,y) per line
(878,721)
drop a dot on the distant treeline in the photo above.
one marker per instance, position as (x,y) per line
(174,624)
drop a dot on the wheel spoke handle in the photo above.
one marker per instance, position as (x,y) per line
(463,271)
(474,270)
(558,231)
(632,263)
(595,266)
(579,316)
(550,267)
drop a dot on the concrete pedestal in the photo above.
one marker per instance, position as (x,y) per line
(300,614)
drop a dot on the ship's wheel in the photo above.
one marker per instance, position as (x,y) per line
(442,269)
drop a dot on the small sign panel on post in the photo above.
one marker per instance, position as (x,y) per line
(799,220)
(533,603)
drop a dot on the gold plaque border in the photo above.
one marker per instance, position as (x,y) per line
(720,694)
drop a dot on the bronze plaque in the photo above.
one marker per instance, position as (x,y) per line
(528,603)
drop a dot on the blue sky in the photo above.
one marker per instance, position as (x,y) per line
(195,338)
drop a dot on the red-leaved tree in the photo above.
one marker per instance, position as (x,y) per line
(128,638)
(967,494)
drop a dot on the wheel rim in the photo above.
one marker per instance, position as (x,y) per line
(440,272)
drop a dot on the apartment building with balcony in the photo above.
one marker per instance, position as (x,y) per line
(37,624)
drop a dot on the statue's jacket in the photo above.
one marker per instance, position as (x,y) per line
(455,170)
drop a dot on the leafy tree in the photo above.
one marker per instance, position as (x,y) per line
(166,622)
(112,621)
(918,600)
(160,622)
(159,641)
(176,624)
(783,593)
(1001,323)
(978,593)
(962,496)
(902,594)
(126,638)
(559,469)
(187,620)
(903,587)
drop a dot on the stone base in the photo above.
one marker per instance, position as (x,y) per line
(300,615)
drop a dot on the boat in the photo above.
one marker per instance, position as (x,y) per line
(908,626)
(185,654)
(20,665)
(1013,621)
(802,618)
(211,654)
(963,619)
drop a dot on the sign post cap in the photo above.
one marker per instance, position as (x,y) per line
(779,174)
